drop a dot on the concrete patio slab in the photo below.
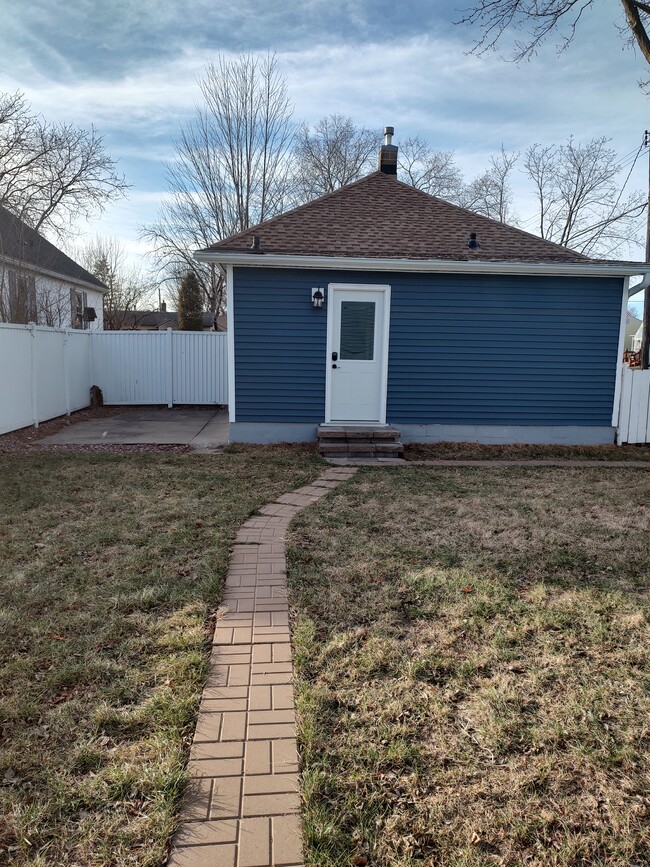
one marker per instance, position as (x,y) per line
(205,430)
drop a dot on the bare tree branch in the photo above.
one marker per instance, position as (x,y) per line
(580,199)
(232,168)
(429,170)
(541,18)
(538,17)
(52,175)
(128,291)
(491,193)
(333,154)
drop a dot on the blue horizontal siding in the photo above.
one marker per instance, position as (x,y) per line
(280,343)
(503,350)
(463,349)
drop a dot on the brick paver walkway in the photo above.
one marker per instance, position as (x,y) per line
(243,806)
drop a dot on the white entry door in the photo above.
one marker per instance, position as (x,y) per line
(357,357)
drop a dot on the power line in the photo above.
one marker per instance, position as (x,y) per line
(638,154)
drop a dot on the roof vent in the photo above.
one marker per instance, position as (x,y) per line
(472,243)
(256,246)
(388,153)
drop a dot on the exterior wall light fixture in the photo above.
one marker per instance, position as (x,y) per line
(317,298)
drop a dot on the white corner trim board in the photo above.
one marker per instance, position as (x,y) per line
(230,308)
(616,405)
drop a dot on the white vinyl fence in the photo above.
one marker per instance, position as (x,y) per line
(634,419)
(44,372)
(171,367)
(47,372)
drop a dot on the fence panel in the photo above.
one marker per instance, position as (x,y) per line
(130,367)
(78,368)
(634,423)
(46,372)
(199,367)
(16,408)
(49,381)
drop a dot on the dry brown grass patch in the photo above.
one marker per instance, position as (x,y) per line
(472,648)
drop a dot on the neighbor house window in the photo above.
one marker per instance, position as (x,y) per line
(79,302)
(21,297)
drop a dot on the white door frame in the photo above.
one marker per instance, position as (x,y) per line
(357,287)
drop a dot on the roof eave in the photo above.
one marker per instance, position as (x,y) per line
(449,266)
(46,272)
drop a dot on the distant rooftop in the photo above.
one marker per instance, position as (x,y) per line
(160,319)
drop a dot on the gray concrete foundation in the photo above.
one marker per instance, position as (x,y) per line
(272,432)
(508,434)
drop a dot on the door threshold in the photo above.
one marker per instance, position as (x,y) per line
(353,424)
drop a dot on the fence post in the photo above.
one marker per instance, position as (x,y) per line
(66,365)
(170,369)
(32,332)
(92,360)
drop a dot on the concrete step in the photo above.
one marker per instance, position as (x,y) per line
(359,442)
(358,433)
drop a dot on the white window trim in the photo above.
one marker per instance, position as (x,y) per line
(356,287)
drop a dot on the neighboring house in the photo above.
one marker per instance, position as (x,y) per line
(142,320)
(39,283)
(633,326)
(637,340)
(348,310)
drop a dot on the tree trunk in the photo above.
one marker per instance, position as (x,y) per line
(637,27)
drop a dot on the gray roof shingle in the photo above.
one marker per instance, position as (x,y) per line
(383,218)
(20,242)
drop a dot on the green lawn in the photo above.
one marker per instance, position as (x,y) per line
(110,566)
(473,668)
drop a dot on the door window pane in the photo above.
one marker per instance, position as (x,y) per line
(357,330)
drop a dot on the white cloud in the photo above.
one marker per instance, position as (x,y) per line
(426,85)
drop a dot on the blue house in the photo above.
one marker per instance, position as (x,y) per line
(378,305)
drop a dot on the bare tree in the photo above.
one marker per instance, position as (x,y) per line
(128,290)
(427,169)
(491,192)
(332,154)
(52,175)
(580,201)
(232,167)
(538,19)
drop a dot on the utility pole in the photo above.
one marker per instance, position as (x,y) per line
(645,341)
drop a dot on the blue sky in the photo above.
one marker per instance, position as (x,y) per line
(131,69)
